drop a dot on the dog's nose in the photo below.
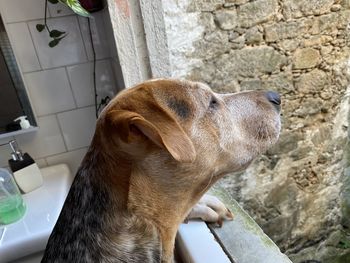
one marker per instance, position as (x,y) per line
(274,98)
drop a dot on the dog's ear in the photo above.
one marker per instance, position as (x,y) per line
(162,130)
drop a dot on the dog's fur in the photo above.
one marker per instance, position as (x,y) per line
(157,148)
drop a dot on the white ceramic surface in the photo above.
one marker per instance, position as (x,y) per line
(50,91)
(19,10)
(69,51)
(198,245)
(72,159)
(59,9)
(22,44)
(78,127)
(81,79)
(30,234)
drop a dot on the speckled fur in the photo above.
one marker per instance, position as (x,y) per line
(87,231)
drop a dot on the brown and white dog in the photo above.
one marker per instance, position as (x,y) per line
(157,149)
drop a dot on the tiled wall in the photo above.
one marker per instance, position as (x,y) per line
(59,80)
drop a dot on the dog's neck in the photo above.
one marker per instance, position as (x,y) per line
(109,198)
(149,200)
(142,189)
(95,220)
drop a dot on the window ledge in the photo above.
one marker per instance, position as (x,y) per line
(238,241)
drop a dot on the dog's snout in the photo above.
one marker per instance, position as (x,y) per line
(274,98)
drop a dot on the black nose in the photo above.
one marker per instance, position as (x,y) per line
(274,98)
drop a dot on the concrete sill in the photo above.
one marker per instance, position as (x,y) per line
(238,241)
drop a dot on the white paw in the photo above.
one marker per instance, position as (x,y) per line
(210,209)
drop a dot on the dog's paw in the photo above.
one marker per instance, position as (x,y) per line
(210,209)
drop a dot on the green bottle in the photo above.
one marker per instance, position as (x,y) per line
(12,207)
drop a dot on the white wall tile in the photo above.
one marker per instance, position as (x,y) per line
(5,152)
(69,51)
(49,91)
(59,9)
(99,36)
(22,44)
(41,163)
(81,79)
(72,159)
(46,141)
(21,10)
(78,127)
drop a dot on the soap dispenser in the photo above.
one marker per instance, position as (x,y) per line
(12,207)
(26,172)
(23,122)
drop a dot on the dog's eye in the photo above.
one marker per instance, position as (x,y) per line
(213,102)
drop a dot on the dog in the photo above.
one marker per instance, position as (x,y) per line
(156,150)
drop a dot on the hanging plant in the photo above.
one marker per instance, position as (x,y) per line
(57,35)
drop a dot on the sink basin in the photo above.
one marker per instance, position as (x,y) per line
(30,234)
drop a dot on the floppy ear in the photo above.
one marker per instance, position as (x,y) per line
(164,131)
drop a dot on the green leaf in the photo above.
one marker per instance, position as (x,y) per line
(56,33)
(55,42)
(76,7)
(53,1)
(344,244)
(40,27)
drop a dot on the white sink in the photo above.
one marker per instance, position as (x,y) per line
(29,235)
(192,238)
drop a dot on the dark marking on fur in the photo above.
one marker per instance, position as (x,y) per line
(79,222)
(180,107)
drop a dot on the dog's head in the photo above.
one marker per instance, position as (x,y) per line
(187,123)
(164,142)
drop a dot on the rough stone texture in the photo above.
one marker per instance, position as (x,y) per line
(317,41)
(299,191)
(306,58)
(214,44)
(226,19)
(284,30)
(282,81)
(345,3)
(237,2)
(253,36)
(299,8)
(204,5)
(253,13)
(310,83)
(249,62)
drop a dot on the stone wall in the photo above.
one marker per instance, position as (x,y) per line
(297,192)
